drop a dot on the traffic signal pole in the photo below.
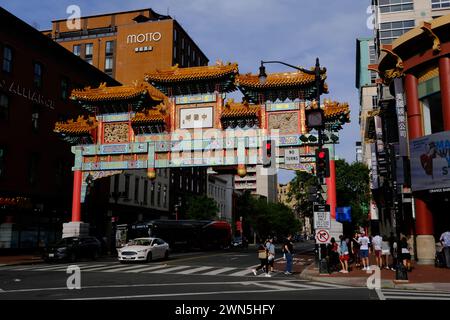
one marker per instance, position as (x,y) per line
(331,183)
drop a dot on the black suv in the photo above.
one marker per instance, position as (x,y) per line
(73,248)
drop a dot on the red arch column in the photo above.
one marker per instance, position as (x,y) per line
(331,184)
(424,218)
(76,195)
(444,79)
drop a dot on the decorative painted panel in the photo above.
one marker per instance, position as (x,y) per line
(116,132)
(201,98)
(286,122)
(282,106)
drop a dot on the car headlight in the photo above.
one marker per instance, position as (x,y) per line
(140,251)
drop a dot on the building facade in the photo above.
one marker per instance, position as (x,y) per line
(417,66)
(36,78)
(125,44)
(220,188)
(386,128)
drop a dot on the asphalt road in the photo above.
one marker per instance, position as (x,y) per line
(198,276)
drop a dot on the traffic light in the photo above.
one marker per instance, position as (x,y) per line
(322,162)
(268,153)
(314,118)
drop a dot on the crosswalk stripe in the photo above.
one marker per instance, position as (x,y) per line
(54,268)
(414,298)
(146,269)
(123,268)
(296,285)
(271,286)
(194,270)
(324,284)
(218,271)
(241,273)
(171,269)
(101,268)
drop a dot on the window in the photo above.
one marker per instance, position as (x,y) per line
(76,49)
(432,114)
(165,197)
(64,88)
(4,106)
(440,4)
(174,52)
(127,186)
(174,35)
(35,118)
(152,194)
(7,59)
(88,50)
(136,189)
(2,161)
(158,199)
(395,5)
(37,70)
(108,63)
(116,184)
(33,169)
(109,48)
(389,31)
(145,191)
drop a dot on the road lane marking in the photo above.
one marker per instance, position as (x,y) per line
(218,271)
(191,271)
(178,294)
(296,285)
(94,269)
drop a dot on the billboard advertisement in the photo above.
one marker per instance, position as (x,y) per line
(430,162)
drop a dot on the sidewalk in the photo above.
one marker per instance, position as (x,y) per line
(20,259)
(422,277)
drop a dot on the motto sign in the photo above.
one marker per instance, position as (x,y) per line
(322,236)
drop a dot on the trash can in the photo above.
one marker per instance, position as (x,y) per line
(323,266)
(401,273)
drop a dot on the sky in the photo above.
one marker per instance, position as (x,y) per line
(248,31)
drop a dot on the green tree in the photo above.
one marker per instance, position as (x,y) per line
(201,208)
(265,218)
(299,193)
(352,189)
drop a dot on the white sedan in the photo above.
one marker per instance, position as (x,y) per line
(144,249)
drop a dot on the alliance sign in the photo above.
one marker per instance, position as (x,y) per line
(430,162)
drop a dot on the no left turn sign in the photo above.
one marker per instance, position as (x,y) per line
(322,236)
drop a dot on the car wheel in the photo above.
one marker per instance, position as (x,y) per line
(166,255)
(73,257)
(149,257)
(95,255)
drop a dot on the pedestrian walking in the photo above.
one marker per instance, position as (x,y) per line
(445,241)
(333,253)
(355,250)
(376,243)
(364,250)
(405,253)
(385,253)
(271,254)
(262,256)
(343,254)
(288,250)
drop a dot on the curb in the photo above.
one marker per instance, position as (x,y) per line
(21,263)
(385,284)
